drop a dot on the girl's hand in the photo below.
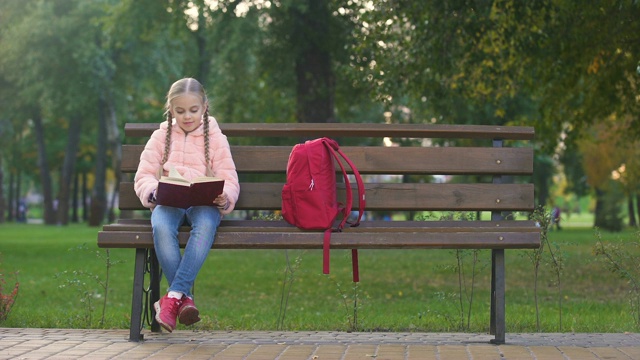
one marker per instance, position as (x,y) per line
(221,201)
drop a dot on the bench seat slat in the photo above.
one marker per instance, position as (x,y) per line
(338,130)
(382,160)
(233,234)
(244,239)
(388,196)
(378,225)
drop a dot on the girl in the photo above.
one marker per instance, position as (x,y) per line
(191,142)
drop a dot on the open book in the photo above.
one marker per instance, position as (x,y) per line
(174,190)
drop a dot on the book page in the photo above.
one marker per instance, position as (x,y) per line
(175,181)
(174,177)
(202,179)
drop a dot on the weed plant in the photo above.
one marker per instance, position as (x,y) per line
(7,297)
(622,258)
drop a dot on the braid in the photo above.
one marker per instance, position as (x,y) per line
(205,120)
(167,141)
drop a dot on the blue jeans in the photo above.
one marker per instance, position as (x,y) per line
(181,269)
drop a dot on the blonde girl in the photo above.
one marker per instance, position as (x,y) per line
(191,142)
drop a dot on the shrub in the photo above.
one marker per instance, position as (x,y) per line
(622,259)
(7,299)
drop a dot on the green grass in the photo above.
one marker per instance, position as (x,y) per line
(400,290)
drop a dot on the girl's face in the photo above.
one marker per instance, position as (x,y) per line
(188,109)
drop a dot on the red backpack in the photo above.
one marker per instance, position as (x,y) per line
(309,196)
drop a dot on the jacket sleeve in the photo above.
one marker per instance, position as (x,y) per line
(223,167)
(146,180)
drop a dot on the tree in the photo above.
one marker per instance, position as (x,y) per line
(602,156)
(587,66)
(306,45)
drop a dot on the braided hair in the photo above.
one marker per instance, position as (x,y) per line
(181,87)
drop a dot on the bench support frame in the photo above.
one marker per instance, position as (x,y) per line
(146,262)
(497,321)
(143,298)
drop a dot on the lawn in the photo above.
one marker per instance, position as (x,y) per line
(60,270)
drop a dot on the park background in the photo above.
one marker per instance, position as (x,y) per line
(73,72)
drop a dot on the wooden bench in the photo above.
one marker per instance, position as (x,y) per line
(489,166)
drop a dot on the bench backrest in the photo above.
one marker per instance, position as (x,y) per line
(491,157)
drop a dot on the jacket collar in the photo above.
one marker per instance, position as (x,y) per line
(199,131)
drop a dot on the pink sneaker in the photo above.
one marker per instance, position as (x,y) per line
(167,312)
(188,313)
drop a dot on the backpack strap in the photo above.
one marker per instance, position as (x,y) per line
(361,191)
(349,203)
(334,148)
(326,244)
(332,145)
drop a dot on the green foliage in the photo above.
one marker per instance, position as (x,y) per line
(557,65)
(350,303)
(621,258)
(84,282)
(7,299)
(544,220)
(554,258)
(287,284)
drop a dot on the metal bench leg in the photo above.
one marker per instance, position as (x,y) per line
(136,300)
(154,279)
(497,327)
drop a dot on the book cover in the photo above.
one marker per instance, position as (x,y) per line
(174,190)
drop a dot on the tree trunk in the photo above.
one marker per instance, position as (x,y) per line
(74,198)
(204,59)
(19,212)
(3,205)
(68,169)
(315,88)
(632,212)
(85,198)
(11,187)
(598,215)
(638,205)
(45,175)
(99,196)
(15,191)
(12,205)
(116,149)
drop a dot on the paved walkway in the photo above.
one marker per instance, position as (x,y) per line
(258,345)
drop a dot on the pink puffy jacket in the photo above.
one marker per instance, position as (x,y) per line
(187,156)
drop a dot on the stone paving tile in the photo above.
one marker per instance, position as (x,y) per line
(360,352)
(484,351)
(236,351)
(392,351)
(419,352)
(329,351)
(609,353)
(515,352)
(266,352)
(632,351)
(452,352)
(297,352)
(546,353)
